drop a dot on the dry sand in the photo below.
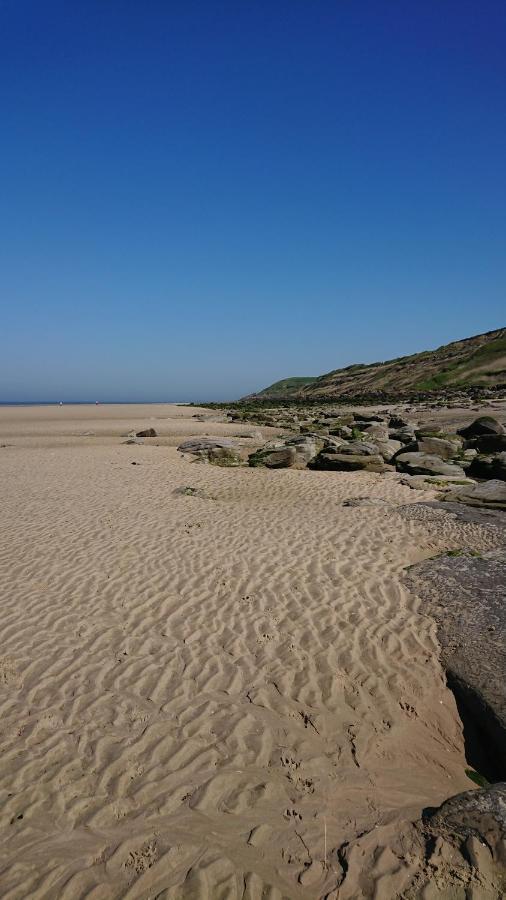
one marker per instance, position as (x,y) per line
(207,696)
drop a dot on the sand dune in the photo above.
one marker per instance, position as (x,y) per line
(207,696)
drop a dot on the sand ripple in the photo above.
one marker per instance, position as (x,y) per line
(208,697)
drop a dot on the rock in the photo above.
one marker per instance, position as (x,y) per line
(333,442)
(367,418)
(199,444)
(286,456)
(295,452)
(426,464)
(255,434)
(434,482)
(148,432)
(397,422)
(404,435)
(442,447)
(283,458)
(429,430)
(464,593)
(378,432)
(489,466)
(490,494)
(467,835)
(218,451)
(482,425)
(347,462)
(388,449)
(224,456)
(487,443)
(342,431)
(132,441)
(359,448)
(314,437)
(476,813)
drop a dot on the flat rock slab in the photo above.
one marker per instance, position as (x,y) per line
(466,595)
(197,445)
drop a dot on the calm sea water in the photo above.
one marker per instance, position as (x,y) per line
(83,402)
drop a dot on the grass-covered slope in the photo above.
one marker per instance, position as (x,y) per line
(287,386)
(472,362)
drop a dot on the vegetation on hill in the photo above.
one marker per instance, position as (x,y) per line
(474,362)
(287,386)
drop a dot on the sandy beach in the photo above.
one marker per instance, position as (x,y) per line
(207,694)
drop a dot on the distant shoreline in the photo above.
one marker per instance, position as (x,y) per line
(87,402)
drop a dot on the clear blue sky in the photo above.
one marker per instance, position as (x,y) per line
(201,197)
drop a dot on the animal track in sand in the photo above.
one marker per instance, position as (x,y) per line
(141,859)
(292,815)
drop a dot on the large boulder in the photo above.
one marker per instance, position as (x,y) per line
(405,435)
(489,466)
(442,447)
(453,852)
(377,432)
(347,462)
(224,456)
(198,444)
(332,442)
(488,443)
(426,464)
(482,425)
(218,451)
(294,452)
(489,494)
(464,593)
(280,458)
(475,814)
(435,482)
(359,448)
(342,431)
(397,422)
(388,449)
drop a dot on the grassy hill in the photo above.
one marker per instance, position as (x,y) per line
(478,361)
(287,386)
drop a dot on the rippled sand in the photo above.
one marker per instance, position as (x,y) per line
(206,696)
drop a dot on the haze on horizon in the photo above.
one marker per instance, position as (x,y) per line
(202,198)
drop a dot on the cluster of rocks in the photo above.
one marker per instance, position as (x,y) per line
(468,466)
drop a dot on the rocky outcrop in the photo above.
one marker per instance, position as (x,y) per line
(217,451)
(347,462)
(418,463)
(489,494)
(198,445)
(489,466)
(465,594)
(425,455)
(483,425)
(475,814)
(455,851)
(442,447)
(295,452)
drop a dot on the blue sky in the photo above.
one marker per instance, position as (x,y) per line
(199,198)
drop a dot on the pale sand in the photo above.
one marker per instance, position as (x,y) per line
(198,696)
